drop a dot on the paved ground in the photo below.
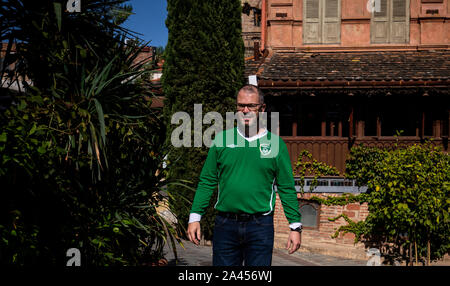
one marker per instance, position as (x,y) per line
(192,255)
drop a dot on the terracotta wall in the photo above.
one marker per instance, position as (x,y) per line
(429,25)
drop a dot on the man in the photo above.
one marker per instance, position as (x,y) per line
(244,162)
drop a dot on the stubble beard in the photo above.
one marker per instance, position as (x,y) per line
(250,127)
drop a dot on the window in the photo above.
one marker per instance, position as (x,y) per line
(257,17)
(390,22)
(336,120)
(246,8)
(321,21)
(310,212)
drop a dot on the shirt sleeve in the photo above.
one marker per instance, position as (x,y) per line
(207,184)
(286,185)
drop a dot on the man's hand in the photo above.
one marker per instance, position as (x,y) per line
(294,241)
(194,232)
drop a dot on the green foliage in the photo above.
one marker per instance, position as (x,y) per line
(307,166)
(408,196)
(357,228)
(361,165)
(204,64)
(343,200)
(81,150)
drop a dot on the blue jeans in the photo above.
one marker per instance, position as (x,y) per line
(236,242)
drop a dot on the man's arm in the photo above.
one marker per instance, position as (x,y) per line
(288,196)
(208,181)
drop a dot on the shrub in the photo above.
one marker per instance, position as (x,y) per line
(408,199)
(80,148)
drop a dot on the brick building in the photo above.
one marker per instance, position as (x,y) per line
(344,72)
(251,25)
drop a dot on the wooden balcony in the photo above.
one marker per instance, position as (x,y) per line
(334,150)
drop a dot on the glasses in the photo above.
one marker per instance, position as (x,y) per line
(251,106)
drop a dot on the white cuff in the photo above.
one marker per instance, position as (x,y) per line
(193,217)
(294,225)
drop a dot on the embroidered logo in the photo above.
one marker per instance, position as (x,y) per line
(265,149)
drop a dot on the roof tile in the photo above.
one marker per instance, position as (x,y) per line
(354,66)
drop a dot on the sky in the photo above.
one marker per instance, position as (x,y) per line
(149,19)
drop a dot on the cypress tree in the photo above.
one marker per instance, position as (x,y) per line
(204,64)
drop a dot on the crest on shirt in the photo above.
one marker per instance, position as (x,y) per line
(265,149)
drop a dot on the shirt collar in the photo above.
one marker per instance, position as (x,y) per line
(253,138)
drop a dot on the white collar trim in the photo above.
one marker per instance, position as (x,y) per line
(253,138)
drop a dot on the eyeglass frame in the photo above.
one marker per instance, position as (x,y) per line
(251,106)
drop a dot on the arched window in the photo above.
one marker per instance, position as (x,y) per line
(310,211)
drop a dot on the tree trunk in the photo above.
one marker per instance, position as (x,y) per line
(410,255)
(428,252)
(415,247)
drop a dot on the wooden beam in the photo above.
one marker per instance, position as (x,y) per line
(340,128)
(323,125)
(350,127)
(323,128)
(378,126)
(448,131)
(422,125)
(360,128)
(294,127)
(437,128)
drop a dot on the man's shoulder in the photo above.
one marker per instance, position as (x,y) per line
(221,136)
(275,138)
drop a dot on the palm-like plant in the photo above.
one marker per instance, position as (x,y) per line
(80,145)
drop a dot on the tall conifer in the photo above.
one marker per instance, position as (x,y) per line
(204,64)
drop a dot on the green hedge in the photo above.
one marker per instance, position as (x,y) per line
(204,64)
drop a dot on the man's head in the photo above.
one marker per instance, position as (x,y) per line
(249,103)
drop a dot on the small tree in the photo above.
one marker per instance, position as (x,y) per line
(408,197)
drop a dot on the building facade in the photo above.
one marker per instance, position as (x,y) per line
(344,72)
(251,25)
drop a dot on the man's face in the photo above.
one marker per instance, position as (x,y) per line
(248,108)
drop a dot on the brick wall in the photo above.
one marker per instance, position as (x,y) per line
(319,239)
(145,56)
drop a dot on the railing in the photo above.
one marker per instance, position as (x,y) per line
(334,150)
(329,185)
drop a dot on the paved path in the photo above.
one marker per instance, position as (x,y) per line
(192,255)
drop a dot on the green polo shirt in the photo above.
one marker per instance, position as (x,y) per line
(245,173)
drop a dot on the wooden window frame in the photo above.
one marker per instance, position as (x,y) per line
(322,21)
(389,22)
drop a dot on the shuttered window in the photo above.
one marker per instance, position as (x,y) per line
(390,22)
(321,21)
